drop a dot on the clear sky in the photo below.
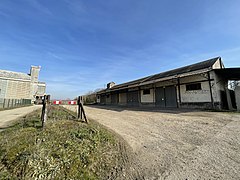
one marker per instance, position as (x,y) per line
(83,45)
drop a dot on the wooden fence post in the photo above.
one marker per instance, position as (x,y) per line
(81,111)
(79,107)
(46,102)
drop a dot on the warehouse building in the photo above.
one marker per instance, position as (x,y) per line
(200,85)
(17,85)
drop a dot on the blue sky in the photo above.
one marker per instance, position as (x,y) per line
(83,45)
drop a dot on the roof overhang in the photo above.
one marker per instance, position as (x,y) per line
(229,73)
(169,78)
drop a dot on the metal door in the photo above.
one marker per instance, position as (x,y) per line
(171,96)
(114,98)
(132,98)
(160,97)
(103,99)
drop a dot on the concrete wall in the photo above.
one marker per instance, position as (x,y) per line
(217,64)
(218,85)
(3,88)
(147,98)
(237,96)
(18,90)
(202,95)
(34,72)
(41,89)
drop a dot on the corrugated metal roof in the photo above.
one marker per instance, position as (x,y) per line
(14,75)
(194,67)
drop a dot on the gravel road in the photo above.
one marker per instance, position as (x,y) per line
(177,144)
(8,116)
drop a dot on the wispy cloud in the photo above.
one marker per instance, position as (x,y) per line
(82,45)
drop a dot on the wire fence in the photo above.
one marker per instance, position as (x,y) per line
(11,103)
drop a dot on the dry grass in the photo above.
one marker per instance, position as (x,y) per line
(63,150)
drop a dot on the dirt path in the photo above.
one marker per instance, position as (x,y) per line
(177,144)
(8,116)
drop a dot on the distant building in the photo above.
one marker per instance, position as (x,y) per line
(17,85)
(200,85)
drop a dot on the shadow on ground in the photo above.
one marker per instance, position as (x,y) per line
(146,109)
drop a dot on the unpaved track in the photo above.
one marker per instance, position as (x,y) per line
(177,144)
(8,116)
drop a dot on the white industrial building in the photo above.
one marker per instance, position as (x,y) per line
(17,85)
(200,85)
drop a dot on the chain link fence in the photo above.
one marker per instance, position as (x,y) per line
(11,103)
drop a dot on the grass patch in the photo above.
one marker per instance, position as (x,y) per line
(63,150)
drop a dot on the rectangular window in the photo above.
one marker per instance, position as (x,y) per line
(195,86)
(146,91)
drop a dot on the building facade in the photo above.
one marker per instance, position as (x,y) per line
(200,85)
(16,85)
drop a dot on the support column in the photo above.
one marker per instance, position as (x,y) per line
(229,100)
(210,87)
(179,93)
(139,96)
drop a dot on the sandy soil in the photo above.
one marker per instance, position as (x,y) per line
(8,116)
(176,144)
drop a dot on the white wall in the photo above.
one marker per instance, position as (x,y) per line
(18,90)
(237,95)
(196,95)
(3,88)
(147,98)
(203,95)
(217,64)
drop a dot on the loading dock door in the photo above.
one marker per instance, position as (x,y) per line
(160,97)
(166,97)
(114,98)
(171,96)
(103,99)
(132,98)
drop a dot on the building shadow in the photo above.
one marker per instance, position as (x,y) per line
(146,109)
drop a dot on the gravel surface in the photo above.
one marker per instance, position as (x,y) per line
(176,144)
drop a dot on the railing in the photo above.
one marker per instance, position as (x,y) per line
(11,103)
